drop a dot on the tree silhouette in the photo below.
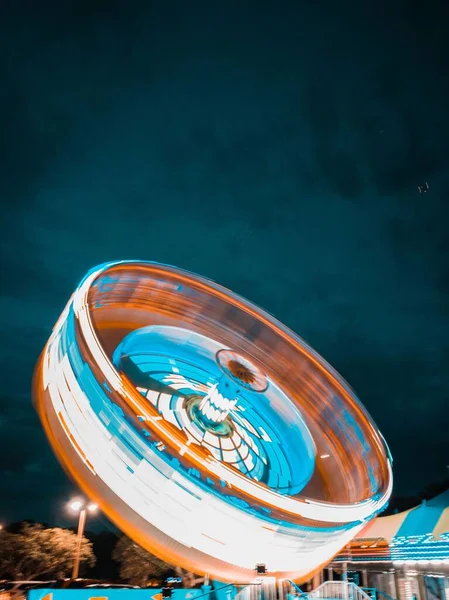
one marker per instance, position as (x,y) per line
(33,552)
(136,565)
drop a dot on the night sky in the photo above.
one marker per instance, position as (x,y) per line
(275,147)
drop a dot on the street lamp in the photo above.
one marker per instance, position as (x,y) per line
(82,508)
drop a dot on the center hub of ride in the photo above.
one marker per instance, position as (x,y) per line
(238,374)
(221,401)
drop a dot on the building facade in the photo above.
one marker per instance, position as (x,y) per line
(403,556)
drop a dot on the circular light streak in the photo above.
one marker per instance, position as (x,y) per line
(205,429)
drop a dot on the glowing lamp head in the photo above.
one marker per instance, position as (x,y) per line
(79,505)
(76,505)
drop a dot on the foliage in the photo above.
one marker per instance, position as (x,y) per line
(136,565)
(139,567)
(35,552)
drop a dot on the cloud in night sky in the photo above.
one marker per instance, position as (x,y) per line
(274,150)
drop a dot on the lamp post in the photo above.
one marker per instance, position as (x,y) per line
(82,508)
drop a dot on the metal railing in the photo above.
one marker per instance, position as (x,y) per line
(372,592)
(383,595)
(338,590)
(376,594)
(297,591)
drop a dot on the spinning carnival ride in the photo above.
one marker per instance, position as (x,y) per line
(204,429)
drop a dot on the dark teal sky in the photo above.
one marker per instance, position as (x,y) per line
(273,147)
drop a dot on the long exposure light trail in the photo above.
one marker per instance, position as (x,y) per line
(207,431)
